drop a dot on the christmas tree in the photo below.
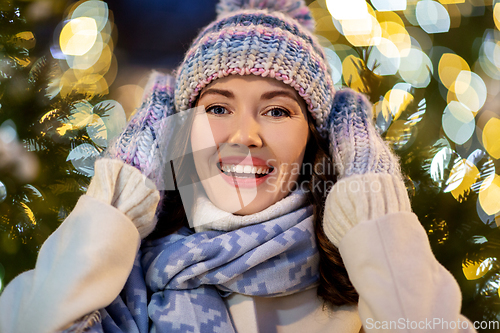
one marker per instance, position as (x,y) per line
(54,122)
(433,102)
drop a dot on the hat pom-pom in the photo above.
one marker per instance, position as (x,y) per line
(296,9)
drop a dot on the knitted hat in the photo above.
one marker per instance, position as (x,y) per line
(270,38)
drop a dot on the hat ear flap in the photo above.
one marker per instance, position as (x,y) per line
(139,143)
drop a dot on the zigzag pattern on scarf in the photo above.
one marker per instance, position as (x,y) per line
(186,274)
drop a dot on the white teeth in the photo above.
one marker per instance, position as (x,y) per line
(245,169)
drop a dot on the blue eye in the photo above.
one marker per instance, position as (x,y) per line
(278,113)
(217,110)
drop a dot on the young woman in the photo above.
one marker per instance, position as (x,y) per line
(275,191)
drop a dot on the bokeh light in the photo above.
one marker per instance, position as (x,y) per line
(3,192)
(83,158)
(449,67)
(86,51)
(389,5)
(350,72)
(384,58)
(114,118)
(96,130)
(489,195)
(439,163)
(397,99)
(362,32)
(97,10)
(491,137)
(78,36)
(485,218)
(347,10)
(474,271)
(462,176)
(335,64)
(432,17)
(496,15)
(416,68)
(470,90)
(458,122)
(394,30)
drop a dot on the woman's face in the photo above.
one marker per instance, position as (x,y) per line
(260,130)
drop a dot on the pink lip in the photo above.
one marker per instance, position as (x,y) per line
(244,160)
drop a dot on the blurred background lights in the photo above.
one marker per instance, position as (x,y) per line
(416,68)
(397,99)
(462,176)
(86,51)
(3,192)
(489,195)
(113,118)
(439,163)
(496,15)
(384,58)
(489,54)
(432,16)
(350,72)
(485,218)
(458,122)
(78,36)
(335,64)
(470,90)
(362,32)
(449,2)
(83,158)
(389,5)
(450,65)
(491,137)
(97,10)
(347,10)
(474,271)
(96,130)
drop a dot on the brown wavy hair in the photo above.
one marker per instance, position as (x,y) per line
(335,288)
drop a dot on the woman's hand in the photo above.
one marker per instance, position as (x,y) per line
(370,183)
(127,189)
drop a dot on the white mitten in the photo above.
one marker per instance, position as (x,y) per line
(370,184)
(126,188)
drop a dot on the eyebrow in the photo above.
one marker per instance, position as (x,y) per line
(278,93)
(213,91)
(266,96)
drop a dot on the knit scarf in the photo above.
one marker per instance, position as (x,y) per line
(178,282)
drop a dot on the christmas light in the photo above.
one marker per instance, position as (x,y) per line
(449,67)
(491,138)
(470,90)
(432,17)
(78,36)
(458,122)
(387,5)
(384,58)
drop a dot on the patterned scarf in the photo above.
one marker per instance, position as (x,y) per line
(177,282)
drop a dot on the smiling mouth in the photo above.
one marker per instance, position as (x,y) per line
(244,171)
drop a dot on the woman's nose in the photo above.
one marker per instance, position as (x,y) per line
(246,131)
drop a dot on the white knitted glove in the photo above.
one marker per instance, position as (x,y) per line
(126,188)
(370,184)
